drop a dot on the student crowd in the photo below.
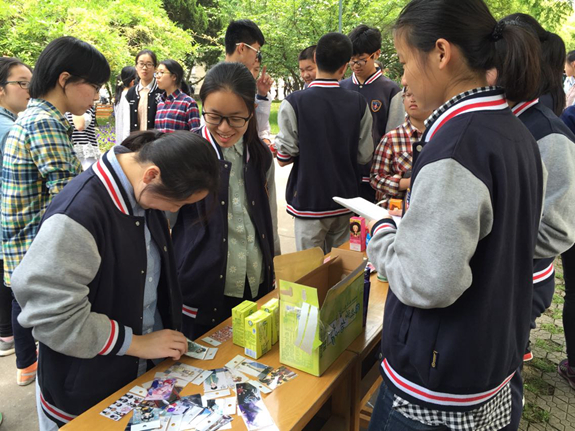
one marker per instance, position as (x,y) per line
(111,262)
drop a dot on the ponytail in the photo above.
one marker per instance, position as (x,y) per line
(126,76)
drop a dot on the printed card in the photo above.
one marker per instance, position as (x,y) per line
(219,336)
(218,380)
(253,368)
(277,377)
(146,417)
(200,379)
(211,353)
(263,388)
(196,350)
(161,389)
(234,363)
(215,394)
(122,407)
(252,408)
(183,371)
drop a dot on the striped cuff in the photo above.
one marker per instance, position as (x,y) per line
(115,339)
(190,311)
(283,157)
(384,225)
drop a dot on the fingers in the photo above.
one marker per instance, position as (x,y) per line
(264,71)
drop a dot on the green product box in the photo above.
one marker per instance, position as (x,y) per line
(273,307)
(258,334)
(321,311)
(239,314)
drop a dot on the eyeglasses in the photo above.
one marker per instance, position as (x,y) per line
(258,52)
(361,62)
(25,85)
(216,120)
(161,73)
(145,65)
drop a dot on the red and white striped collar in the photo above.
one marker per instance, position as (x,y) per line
(481,101)
(208,137)
(369,80)
(325,83)
(520,108)
(105,172)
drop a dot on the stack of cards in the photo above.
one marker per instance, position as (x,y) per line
(219,337)
(197,351)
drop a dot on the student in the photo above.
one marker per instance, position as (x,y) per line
(103,260)
(126,80)
(557,147)
(144,97)
(244,41)
(570,72)
(39,159)
(460,264)
(177,110)
(325,131)
(307,66)
(393,156)
(14,82)
(84,137)
(225,245)
(369,81)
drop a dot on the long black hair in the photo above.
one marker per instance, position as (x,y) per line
(177,70)
(552,59)
(485,43)
(236,78)
(126,76)
(186,161)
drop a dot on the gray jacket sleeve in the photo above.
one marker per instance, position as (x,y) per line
(396,114)
(263,109)
(272,196)
(51,286)
(287,141)
(557,230)
(365,148)
(427,259)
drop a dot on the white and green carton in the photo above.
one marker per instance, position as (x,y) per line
(321,312)
(239,314)
(273,307)
(258,334)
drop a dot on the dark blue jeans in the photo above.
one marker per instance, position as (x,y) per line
(385,418)
(24,342)
(568,259)
(5,307)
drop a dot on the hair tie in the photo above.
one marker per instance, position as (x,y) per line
(498,31)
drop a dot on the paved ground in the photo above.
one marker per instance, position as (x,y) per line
(550,402)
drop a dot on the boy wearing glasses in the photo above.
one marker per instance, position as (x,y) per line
(243,41)
(325,131)
(369,81)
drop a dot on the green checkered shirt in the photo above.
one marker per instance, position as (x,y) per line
(39,161)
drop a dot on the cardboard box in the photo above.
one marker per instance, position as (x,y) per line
(273,307)
(320,311)
(239,314)
(258,334)
(357,233)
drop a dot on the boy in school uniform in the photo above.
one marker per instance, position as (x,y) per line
(307,66)
(369,81)
(325,131)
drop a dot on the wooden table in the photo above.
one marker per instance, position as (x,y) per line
(291,405)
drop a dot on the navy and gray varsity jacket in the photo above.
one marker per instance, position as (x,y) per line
(460,266)
(82,283)
(200,241)
(326,131)
(133,98)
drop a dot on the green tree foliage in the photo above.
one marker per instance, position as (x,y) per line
(119,29)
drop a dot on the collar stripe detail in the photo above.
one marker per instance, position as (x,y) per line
(190,311)
(324,84)
(489,103)
(316,214)
(538,277)
(208,137)
(105,176)
(520,108)
(440,398)
(55,412)
(369,80)
(384,226)
(112,338)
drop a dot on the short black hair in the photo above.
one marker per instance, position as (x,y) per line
(147,52)
(68,54)
(332,52)
(307,54)
(243,31)
(571,56)
(6,65)
(365,40)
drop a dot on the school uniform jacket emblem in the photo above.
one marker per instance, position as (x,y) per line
(376,105)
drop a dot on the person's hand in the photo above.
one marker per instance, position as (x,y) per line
(396,212)
(160,344)
(264,83)
(404,183)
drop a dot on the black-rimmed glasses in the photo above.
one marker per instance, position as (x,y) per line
(233,121)
(25,85)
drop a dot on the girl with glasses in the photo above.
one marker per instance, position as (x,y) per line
(226,243)
(177,110)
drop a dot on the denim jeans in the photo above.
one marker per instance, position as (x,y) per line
(5,307)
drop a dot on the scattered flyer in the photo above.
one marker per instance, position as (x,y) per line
(196,351)
(184,404)
(122,407)
(253,368)
(237,376)
(146,417)
(218,380)
(263,388)
(215,394)
(161,389)
(211,353)
(183,371)
(276,377)
(234,363)
(219,336)
(252,408)
(202,377)
(224,406)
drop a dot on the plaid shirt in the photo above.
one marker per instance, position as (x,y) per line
(39,161)
(392,158)
(177,112)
